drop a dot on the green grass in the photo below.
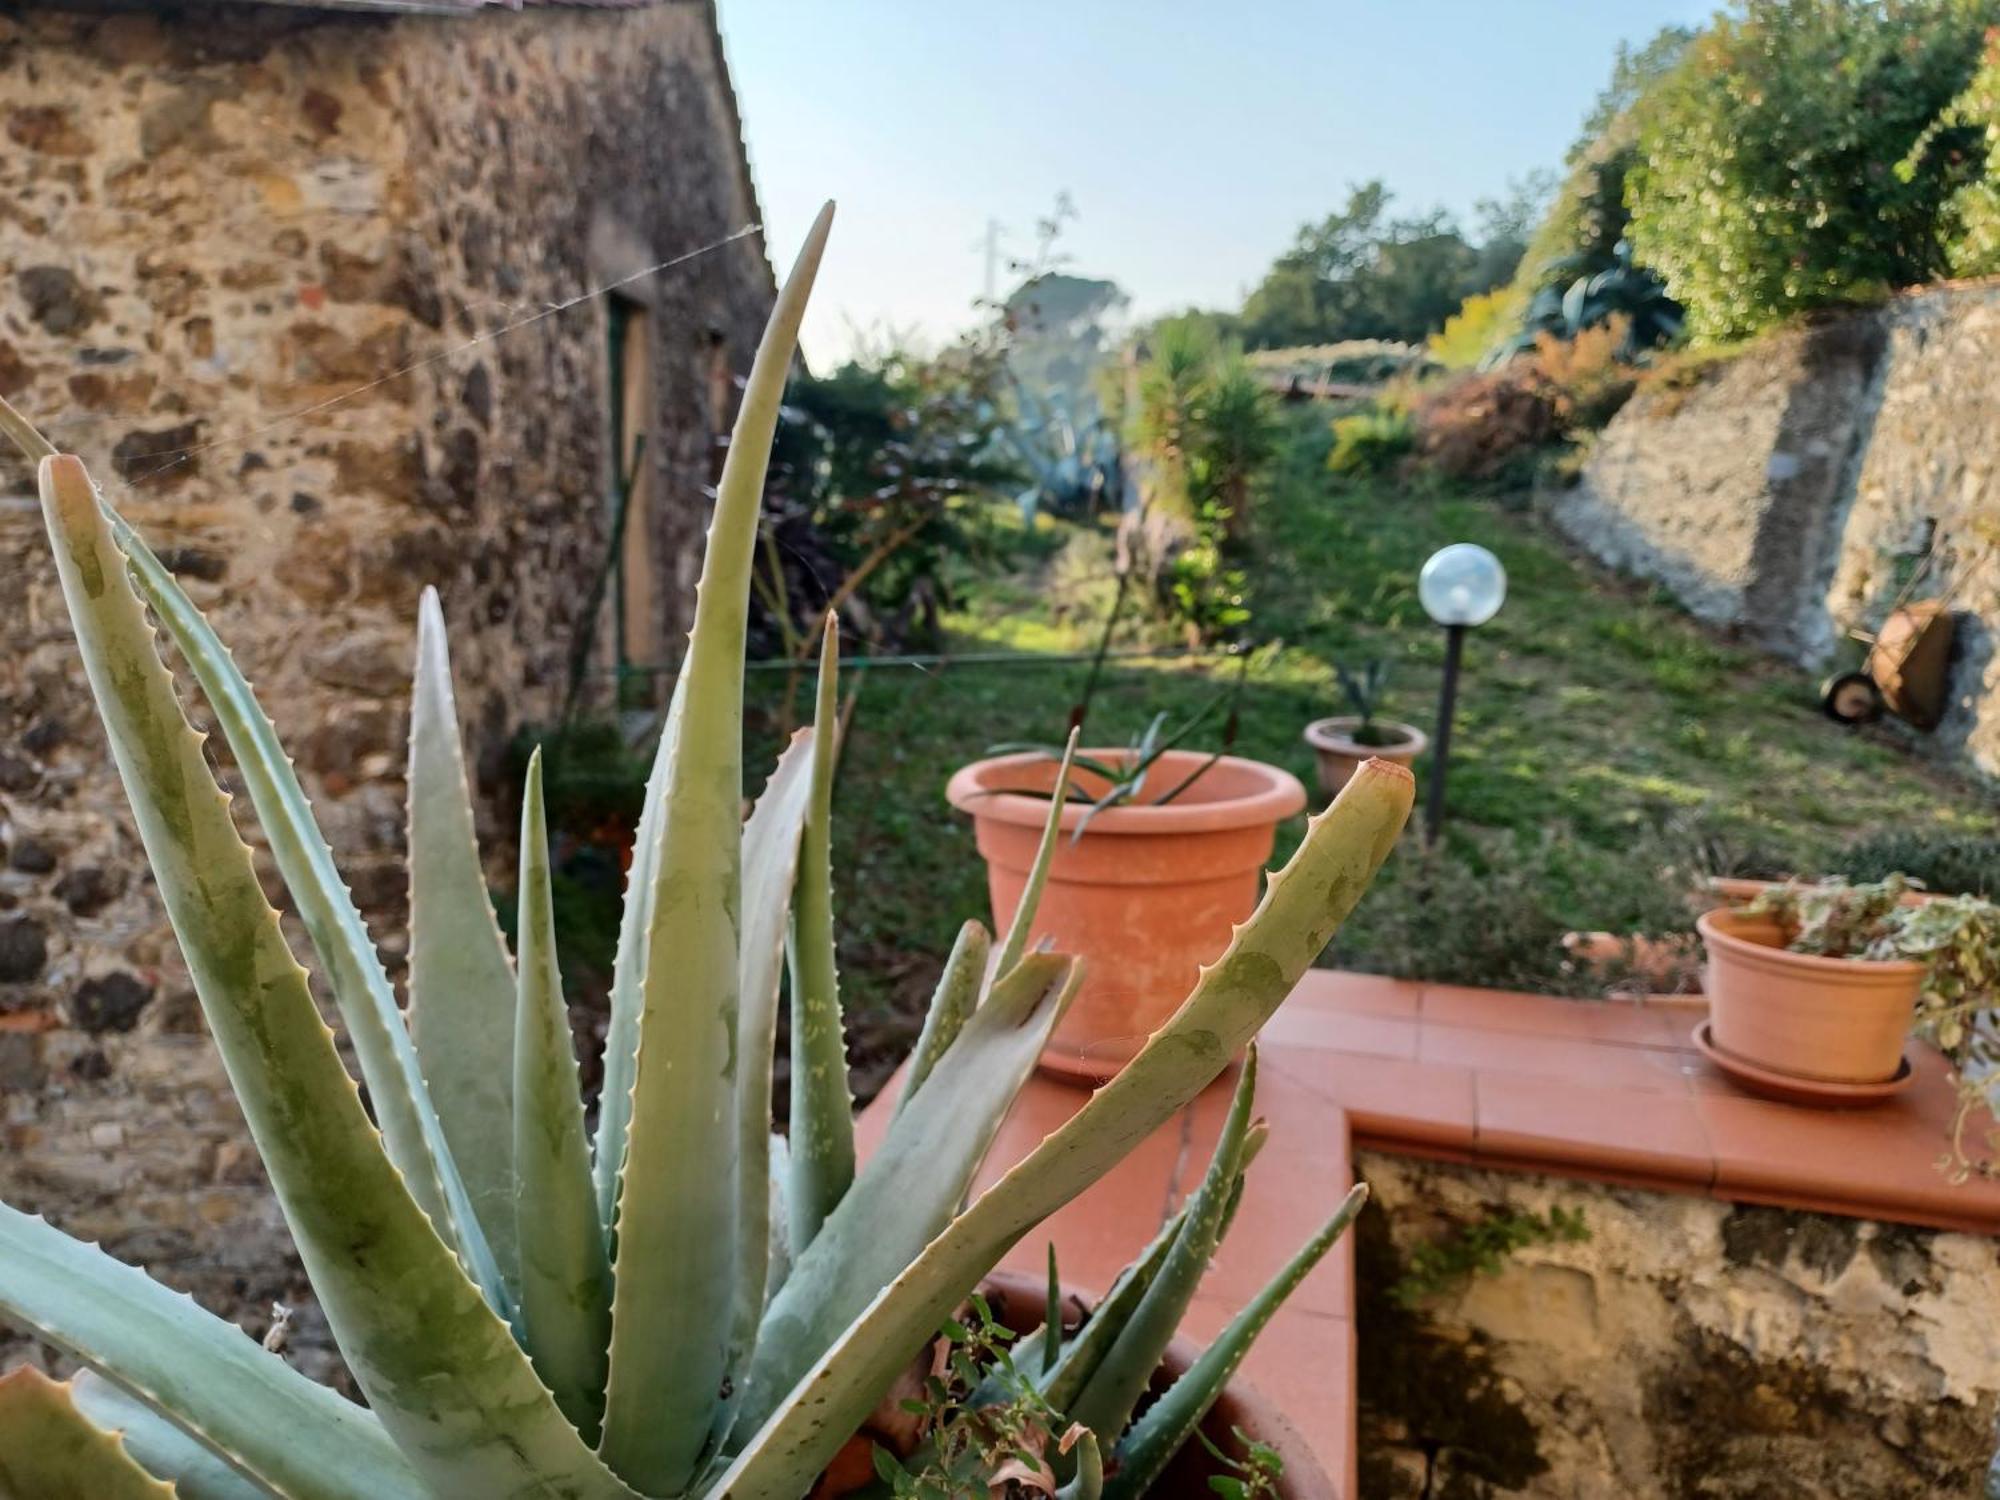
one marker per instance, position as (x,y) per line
(1601,735)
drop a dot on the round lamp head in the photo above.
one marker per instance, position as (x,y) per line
(1462,584)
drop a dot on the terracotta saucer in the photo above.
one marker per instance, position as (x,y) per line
(1791,1089)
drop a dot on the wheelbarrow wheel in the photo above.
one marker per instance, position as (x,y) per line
(1851,698)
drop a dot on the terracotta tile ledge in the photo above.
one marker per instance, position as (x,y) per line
(1609,1091)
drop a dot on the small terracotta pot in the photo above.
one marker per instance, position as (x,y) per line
(1021,1303)
(1339,754)
(1832,1020)
(1147,895)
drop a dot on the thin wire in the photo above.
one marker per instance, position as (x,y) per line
(239,440)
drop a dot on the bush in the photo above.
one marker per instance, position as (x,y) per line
(1481,426)
(1589,373)
(1494,915)
(1955,864)
(1371,441)
(1971,227)
(1766,181)
(1481,323)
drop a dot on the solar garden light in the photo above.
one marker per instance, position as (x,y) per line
(1461,586)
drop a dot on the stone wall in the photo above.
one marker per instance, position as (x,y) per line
(224,230)
(1789,490)
(1685,1348)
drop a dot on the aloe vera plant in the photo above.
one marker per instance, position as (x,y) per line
(669,1308)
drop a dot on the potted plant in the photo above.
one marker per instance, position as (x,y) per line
(1156,861)
(1343,742)
(1822,982)
(678,1305)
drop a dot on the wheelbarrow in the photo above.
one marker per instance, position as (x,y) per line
(1908,661)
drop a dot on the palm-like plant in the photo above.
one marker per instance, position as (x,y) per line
(672,1308)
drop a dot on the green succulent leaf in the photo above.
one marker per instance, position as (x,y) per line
(1016,941)
(679,1216)
(162,1449)
(440,1369)
(916,1178)
(770,865)
(298,1439)
(1303,906)
(410,1128)
(1085,1350)
(951,1005)
(628,977)
(1151,1442)
(822,1112)
(461,980)
(1089,1481)
(1106,1402)
(565,1286)
(51,1451)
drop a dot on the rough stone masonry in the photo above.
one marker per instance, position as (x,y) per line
(212,216)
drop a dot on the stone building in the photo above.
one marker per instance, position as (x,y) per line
(254,264)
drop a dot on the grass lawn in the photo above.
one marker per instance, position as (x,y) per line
(1602,737)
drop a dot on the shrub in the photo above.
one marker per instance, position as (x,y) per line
(1480,426)
(1956,864)
(1481,323)
(1589,371)
(1970,231)
(1371,441)
(1765,180)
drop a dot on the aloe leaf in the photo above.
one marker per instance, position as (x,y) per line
(1105,1403)
(915,1178)
(678,1214)
(951,1004)
(1253,1146)
(628,977)
(770,865)
(778,1260)
(1016,941)
(410,1129)
(822,1114)
(1302,907)
(461,980)
(439,1368)
(18,430)
(162,1449)
(1052,1323)
(1089,1481)
(295,1437)
(1084,1351)
(565,1297)
(51,1451)
(1147,1448)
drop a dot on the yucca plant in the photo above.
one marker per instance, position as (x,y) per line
(679,1306)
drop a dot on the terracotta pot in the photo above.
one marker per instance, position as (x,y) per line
(1020,1303)
(1147,895)
(1339,754)
(1832,1020)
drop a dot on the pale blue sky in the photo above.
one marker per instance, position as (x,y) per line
(1194,135)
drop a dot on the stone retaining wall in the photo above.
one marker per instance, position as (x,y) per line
(1789,490)
(1686,1347)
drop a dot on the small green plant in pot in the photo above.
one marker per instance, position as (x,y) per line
(1819,983)
(1341,743)
(678,1305)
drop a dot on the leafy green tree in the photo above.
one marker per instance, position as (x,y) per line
(1765,179)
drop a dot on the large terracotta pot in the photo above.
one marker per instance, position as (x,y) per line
(1020,1303)
(1831,1020)
(1147,895)
(1339,755)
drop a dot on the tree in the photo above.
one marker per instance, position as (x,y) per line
(1765,181)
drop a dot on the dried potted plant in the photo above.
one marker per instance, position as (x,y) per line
(679,1305)
(1156,861)
(1819,984)
(1343,742)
